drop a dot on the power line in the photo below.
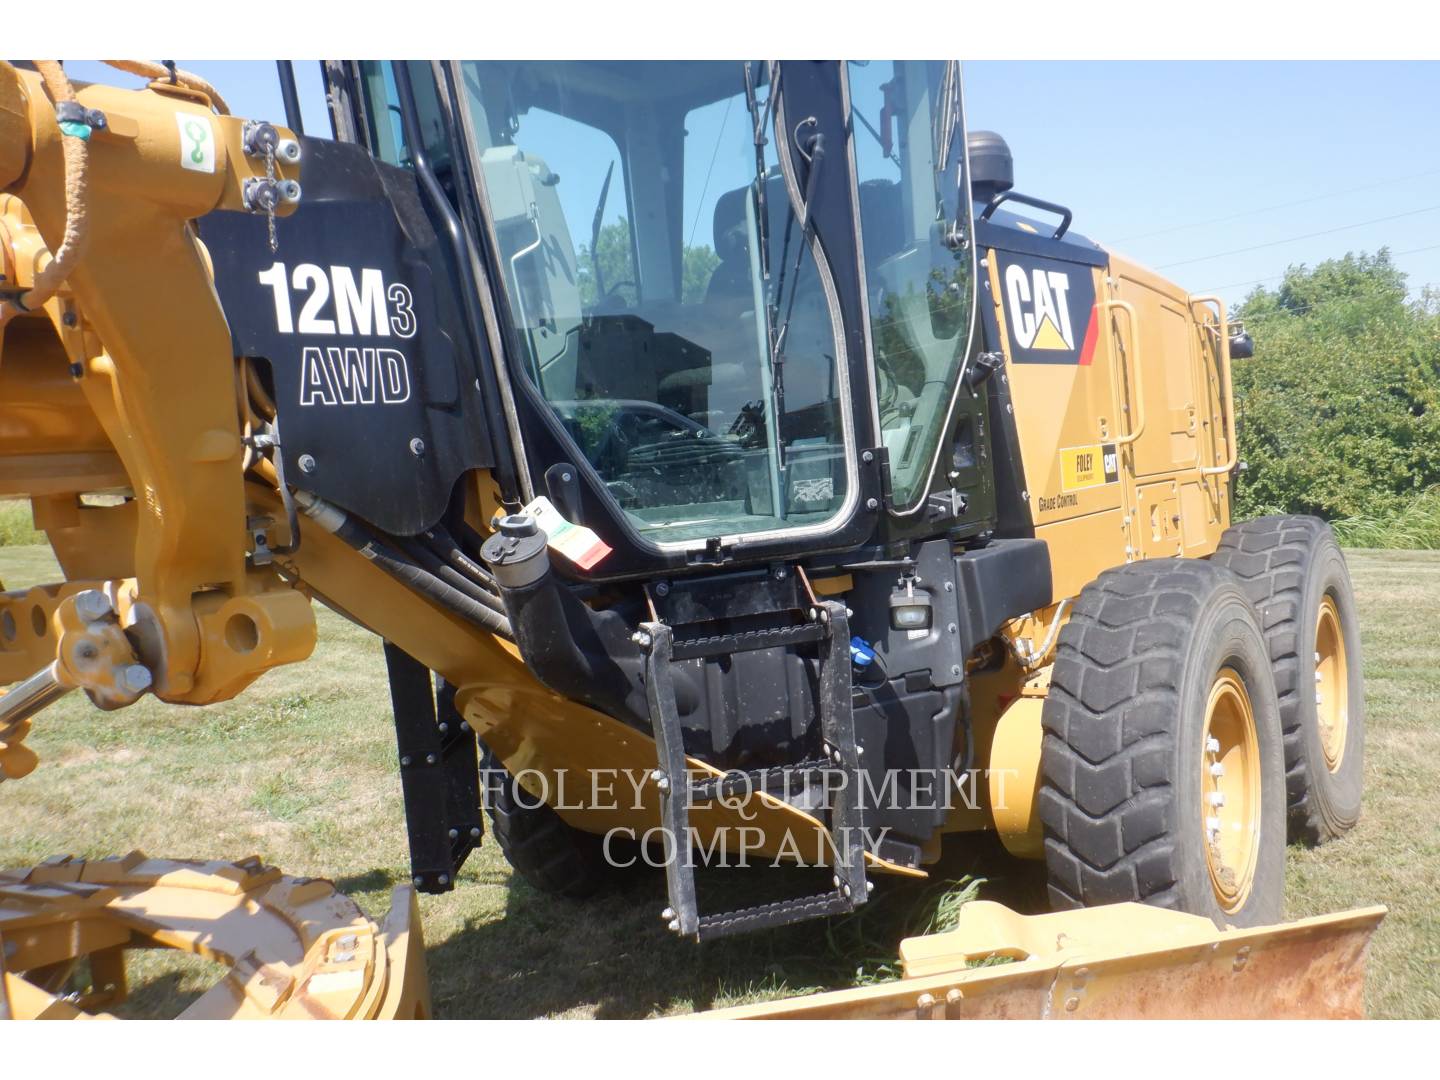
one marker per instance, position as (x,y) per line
(1277,206)
(1277,277)
(700,203)
(1303,236)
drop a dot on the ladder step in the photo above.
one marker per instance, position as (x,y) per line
(781,912)
(829,628)
(776,776)
(745,641)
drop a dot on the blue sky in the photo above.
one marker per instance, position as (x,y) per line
(1176,164)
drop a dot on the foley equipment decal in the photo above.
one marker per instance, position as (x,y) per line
(1088,466)
(1049,310)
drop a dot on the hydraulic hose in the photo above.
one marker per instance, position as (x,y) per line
(433,564)
(76,148)
(443,544)
(417,578)
(150,69)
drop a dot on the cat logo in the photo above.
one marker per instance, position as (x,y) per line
(1049,309)
(1038,310)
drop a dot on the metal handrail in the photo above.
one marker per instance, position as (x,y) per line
(1131,368)
(1227,402)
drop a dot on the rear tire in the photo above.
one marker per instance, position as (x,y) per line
(1293,571)
(1158,657)
(547,853)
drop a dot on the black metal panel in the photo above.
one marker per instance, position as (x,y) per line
(439,773)
(375,377)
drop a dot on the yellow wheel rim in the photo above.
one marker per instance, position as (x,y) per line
(1230,790)
(1332,684)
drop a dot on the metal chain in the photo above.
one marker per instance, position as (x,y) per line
(270,210)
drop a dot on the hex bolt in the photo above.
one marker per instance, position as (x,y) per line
(872,504)
(429,759)
(444,728)
(92,605)
(675,925)
(1217,770)
(417,881)
(134,678)
(1317,676)
(662,588)
(778,573)
(1212,745)
(417,446)
(444,879)
(954,669)
(867,457)
(1217,799)
(307,463)
(405,761)
(454,834)
(474,832)
(667,914)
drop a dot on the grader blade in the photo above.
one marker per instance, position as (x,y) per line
(1121,961)
(296,948)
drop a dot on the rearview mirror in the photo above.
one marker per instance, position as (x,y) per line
(1242,346)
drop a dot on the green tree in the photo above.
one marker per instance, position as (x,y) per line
(617,268)
(1339,409)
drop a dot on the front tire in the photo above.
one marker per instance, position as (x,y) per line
(1161,699)
(1293,571)
(547,853)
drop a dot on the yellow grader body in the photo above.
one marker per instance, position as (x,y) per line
(136,431)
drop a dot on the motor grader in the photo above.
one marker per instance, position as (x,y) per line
(736,431)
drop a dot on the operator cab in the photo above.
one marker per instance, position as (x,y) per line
(738,314)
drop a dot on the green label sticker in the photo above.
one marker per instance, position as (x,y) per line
(197,142)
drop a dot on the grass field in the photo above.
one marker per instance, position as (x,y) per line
(302,769)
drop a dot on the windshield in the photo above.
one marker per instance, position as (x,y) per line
(651,260)
(909,149)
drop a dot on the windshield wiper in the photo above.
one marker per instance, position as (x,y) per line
(815,148)
(595,235)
